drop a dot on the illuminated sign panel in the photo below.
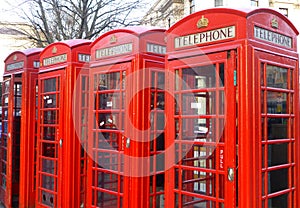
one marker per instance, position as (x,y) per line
(115,50)
(155,48)
(205,37)
(272,37)
(55,60)
(17,65)
(84,57)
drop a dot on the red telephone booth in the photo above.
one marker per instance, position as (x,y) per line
(126,119)
(59,170)
(233,109)
(18,128)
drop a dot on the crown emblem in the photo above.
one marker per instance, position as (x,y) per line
(15,57)
(274,23)
(113,39)
(54,50)
(203,22)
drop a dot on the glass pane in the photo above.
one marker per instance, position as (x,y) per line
(277,77)
(48,166)
(50,101)
(49,133)
(18,89)
(277,154)
(279,201)
(50,85)
(48,150)
(108,181)
(110,101)
(108,140)
(278,180)
(108,81)
(277,102)
(197,181)
(277,128)
(48,182)
(50,117)
(199,77)
(109,121)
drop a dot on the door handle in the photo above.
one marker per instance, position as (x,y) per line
(230,174)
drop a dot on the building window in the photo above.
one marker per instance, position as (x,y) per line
(284,11)
(254,3)
(192,6)
(218,3)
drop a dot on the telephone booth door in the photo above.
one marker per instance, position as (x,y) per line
(49,142)
(107,144)
(202,112)
(10,144)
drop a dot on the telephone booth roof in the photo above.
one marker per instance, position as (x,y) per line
(18,61)
(63,52)
(239,23)
(135,37)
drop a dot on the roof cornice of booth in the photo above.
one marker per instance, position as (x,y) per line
(26,52)
(72,43)
(134,30)
(243,12)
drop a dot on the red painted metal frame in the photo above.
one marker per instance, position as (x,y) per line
(20,147)
(61,64)
(252,57)
(136,68)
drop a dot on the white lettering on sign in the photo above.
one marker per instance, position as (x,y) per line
(205,37)
(115,50)
(272,37)
(55,60)
(155,48)
(17,65)
(84,57)
(221,158)
(36,64)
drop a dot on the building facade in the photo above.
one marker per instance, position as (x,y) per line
(164,13)
(12,38)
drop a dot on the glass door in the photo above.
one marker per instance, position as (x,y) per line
(49,140)
(202,112)
(106,129)
(278,90)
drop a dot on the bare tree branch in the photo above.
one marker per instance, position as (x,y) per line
(55,20)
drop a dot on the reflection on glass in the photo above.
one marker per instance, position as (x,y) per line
(276,77)
(48,166)
(109,81)
(277,102)
(49,133)
(200,77)
(50,85)
(18,89)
